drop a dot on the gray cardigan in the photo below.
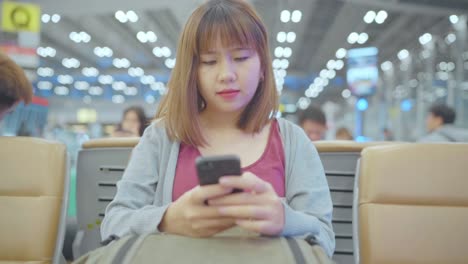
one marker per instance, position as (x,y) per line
(145,190)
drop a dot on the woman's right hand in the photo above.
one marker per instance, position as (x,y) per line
(190,216)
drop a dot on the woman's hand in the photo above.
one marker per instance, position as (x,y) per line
(257,209)
(190,216)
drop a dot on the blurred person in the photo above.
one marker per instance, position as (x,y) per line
(133,123)
(387,134)
(14,86)
(343,133)
(440,125)
(314,123)
(222,99)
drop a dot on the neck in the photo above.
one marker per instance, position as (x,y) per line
(217,120)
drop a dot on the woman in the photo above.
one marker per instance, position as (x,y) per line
(222,100)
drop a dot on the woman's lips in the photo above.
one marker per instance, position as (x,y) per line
(228,93)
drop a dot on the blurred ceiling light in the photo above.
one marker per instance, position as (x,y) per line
(132,16)
(95,90)
(386,66)
(303,103)
(90,72)
(353,37)
(131,91)
(170,63)
(276,63)
(71,63)
(55,18)
(296,16)
(291,37)
(369,17)
(118,99)
(454,19)
(403,54)
(129,16)
(285,16)
(81,85)
(284,64)
(61,90)
(281,36)
(279,52)
(147,79)
(105,79)
(287,52)
(331,74)
(79,37)
(45,18)
(65,79)
(43,85)
(346,93)
(119,86)
(381,17)
(166,52)
(450,38)
(426,38)
(150,99)
(340,53)
(322,74)
(339,64)
(136,72)
(157,51)
(45,72)
(363,37)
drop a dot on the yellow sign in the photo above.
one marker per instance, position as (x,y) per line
(20,17)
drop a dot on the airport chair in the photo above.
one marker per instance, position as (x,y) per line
(33,200)
(339,159)
(411,204)
(101,163)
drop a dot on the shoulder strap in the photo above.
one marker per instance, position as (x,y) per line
(120,256)
(296,250)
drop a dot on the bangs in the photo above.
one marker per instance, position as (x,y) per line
(230,26)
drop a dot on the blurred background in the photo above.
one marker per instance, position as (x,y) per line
(370,65)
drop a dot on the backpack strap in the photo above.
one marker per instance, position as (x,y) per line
(296,250)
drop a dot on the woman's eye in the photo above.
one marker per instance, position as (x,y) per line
(209,62)
(242,58)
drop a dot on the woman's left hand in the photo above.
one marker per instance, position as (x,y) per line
(258,208)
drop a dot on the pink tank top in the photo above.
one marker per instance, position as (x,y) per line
(269,167)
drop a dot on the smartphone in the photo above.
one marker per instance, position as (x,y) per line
(210,169)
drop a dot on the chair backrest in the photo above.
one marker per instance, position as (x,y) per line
(100,165)
(413,204)
(339,159)
(33,199)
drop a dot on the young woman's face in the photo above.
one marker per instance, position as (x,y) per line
(228,77)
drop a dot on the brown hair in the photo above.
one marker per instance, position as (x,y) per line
(14,85)
(235,22)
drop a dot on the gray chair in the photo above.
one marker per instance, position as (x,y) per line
(339,159)
(100,165)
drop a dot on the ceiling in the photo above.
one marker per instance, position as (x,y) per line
(323,29)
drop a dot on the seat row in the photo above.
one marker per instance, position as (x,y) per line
(393,202)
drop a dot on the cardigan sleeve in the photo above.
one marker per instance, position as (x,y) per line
(308,206)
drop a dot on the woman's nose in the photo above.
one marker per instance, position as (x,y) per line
(227,71)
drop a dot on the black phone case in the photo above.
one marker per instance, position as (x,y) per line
(210,169)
